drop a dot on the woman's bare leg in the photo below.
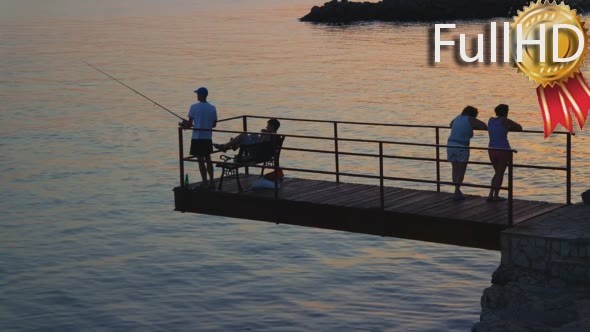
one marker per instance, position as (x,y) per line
(459,169)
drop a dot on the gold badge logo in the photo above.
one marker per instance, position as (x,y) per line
(547,21)
(548,45)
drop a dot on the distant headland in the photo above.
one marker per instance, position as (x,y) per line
(345,11)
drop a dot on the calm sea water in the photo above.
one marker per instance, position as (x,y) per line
(88,237)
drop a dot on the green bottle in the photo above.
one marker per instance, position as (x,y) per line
(186,180)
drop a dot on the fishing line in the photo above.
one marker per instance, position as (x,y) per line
(139,93)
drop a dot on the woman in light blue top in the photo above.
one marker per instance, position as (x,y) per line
(461,132)
(498,129)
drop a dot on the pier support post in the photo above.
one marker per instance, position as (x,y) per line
(511,189)
(245,128)
(181,156)
(569,169)
(381,187)
(437,160)
(336,156)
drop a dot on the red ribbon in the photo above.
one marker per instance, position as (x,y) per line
(559,100)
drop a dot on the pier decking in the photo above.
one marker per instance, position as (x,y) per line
(372,209)
(408,213)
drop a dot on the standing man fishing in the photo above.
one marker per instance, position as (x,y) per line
(203,117)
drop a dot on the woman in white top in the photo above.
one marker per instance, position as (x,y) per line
(461,132)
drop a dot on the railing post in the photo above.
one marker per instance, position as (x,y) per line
(245,129)
(569,169)
(336,156)
(437,160)
(244,122)
(276,171)
(181,156)
(510,189)
(381,188)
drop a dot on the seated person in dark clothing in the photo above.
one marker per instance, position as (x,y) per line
(272,126)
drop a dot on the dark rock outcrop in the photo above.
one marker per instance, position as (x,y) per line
(525,300)
(419,10)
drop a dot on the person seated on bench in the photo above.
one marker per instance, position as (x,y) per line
(272,126)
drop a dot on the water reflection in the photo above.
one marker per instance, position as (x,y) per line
(87,168)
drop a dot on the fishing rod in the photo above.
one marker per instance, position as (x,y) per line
(139,93)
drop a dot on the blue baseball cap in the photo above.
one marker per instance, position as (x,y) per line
(202,91)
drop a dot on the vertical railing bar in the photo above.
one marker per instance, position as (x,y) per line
(569,169)
(381,188)
(276,178)
(510,190)
(181,156)
(336,155)
(437,160)
(245,129)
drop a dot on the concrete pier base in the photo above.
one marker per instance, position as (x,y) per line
(556,244)
(543,282)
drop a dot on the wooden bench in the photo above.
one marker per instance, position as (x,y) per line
(267,154)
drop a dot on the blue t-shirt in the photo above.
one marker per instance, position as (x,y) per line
(204,117)
(461,131)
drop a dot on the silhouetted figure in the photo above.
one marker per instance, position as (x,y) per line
(202,115)
(272,126)
(461,132)
(498,128)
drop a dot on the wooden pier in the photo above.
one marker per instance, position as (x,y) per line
(410,214)
(372,209)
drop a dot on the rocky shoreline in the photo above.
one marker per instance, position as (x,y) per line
(525,300)
(543,282)
(344,11)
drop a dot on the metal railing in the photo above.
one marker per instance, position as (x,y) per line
(381,156)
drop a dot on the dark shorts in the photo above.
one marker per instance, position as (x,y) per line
(201,147)
(499,157)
